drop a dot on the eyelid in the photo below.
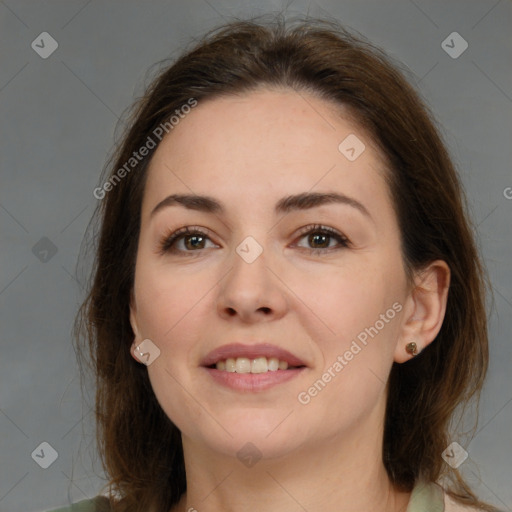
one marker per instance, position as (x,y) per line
(166,242)
(343,241)
(171,237)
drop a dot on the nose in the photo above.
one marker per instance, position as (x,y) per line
(252,291)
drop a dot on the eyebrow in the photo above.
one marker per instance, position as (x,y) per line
(303,201)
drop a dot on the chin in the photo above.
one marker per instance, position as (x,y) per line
(249,446)
(251,434)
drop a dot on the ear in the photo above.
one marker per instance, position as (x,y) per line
(424,309)
(135,327)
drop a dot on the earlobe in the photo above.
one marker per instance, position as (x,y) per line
(133,315)
(133,349)
(425,311)
(411,348)
(135,328)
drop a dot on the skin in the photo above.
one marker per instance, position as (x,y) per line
(248,152)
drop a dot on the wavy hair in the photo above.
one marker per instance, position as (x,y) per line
(140,447)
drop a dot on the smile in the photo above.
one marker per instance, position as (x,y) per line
(256,365)
(252,368)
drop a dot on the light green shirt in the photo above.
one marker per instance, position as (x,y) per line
(424,498)
(92,505)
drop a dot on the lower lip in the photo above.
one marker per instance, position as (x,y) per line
(253,382)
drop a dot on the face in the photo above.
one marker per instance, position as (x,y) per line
(320,280)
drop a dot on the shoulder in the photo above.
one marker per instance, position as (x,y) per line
(97,504)
(432,497)
(450,505)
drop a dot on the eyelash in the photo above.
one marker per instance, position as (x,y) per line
(167,242)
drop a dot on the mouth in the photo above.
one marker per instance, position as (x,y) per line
(255,365)
(259,358)
(252,367)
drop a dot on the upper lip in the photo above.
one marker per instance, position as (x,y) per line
(235,350)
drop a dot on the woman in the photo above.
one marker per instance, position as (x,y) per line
(288,305)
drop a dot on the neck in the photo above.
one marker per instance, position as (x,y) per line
(343,473)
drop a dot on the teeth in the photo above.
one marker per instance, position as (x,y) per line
(243,365)
(259,365)
(273,364)
(230,365)
(246,365)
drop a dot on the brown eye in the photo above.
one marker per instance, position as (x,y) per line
(319,239)
(193,240)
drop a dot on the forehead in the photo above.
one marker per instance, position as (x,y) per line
(261,144)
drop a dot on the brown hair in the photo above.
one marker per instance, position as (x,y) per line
(140,447)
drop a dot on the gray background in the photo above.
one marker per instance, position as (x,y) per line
(58,118)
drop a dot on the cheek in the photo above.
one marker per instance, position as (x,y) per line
(355,326)
(168,307)
(357,347)
(347,300)
(166,300)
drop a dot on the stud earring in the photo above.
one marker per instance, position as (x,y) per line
(411,348)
